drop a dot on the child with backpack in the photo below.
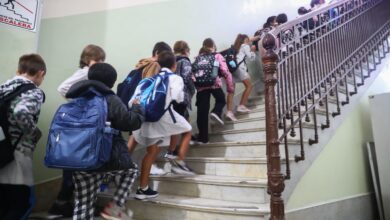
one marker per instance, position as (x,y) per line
(162,121)
(20,105)
(184,70)
(244,54)
(101,79)
(91,54)
(207,70)
(146,67)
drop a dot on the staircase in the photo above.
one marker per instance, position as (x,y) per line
(233,178)
(232,172)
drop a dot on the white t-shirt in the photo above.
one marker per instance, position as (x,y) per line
(79,75)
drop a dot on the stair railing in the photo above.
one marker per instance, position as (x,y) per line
(313,65)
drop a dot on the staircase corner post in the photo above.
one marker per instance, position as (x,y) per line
(275,177)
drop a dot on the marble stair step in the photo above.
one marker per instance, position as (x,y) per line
(227,188)
(252,122)
(219,166)
(256,99)
(246,149)
(252,134)
(170,207)
(254,113)
(255,134)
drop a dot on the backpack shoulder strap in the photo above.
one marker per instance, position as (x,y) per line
(19,90)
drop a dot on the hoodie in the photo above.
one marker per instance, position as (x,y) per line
(23,112)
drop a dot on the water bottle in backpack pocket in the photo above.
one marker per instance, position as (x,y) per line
(79,136)
(215,69)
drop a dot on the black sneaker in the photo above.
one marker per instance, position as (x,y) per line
(146,194)
(61,209)
(196,140)
(170,155)
(180,167)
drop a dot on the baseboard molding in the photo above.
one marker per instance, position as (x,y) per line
(357,207)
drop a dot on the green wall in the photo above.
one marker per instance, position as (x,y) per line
(14,42)
(341,170)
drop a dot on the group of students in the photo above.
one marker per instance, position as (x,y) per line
(79,188)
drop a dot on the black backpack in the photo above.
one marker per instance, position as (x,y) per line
(6,147)
(203,70)
(230,56)
(127,88)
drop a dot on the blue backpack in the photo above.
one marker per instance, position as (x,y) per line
(152,92)
(127,88)
(79,136)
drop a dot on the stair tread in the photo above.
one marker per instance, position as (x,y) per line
(243,160)
(243,120)
(259,108)
(230,159)
(256,97)
(235,131)
(211,205)
(215,180)
(239,143)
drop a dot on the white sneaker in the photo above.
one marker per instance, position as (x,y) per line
(216,118)
(243,109)
(230,115)
(155,170)
(114,212)
(180,167)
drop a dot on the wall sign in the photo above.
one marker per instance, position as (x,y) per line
(20,13)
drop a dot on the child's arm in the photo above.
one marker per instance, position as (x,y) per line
(79,75)
(122,118)
(225,73)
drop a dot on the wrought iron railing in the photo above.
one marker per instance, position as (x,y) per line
(313,65)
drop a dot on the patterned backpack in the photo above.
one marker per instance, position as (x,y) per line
(205,70)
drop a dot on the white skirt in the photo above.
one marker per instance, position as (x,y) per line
(19,171)
(161,131)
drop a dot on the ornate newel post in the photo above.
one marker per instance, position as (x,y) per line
(275,177)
